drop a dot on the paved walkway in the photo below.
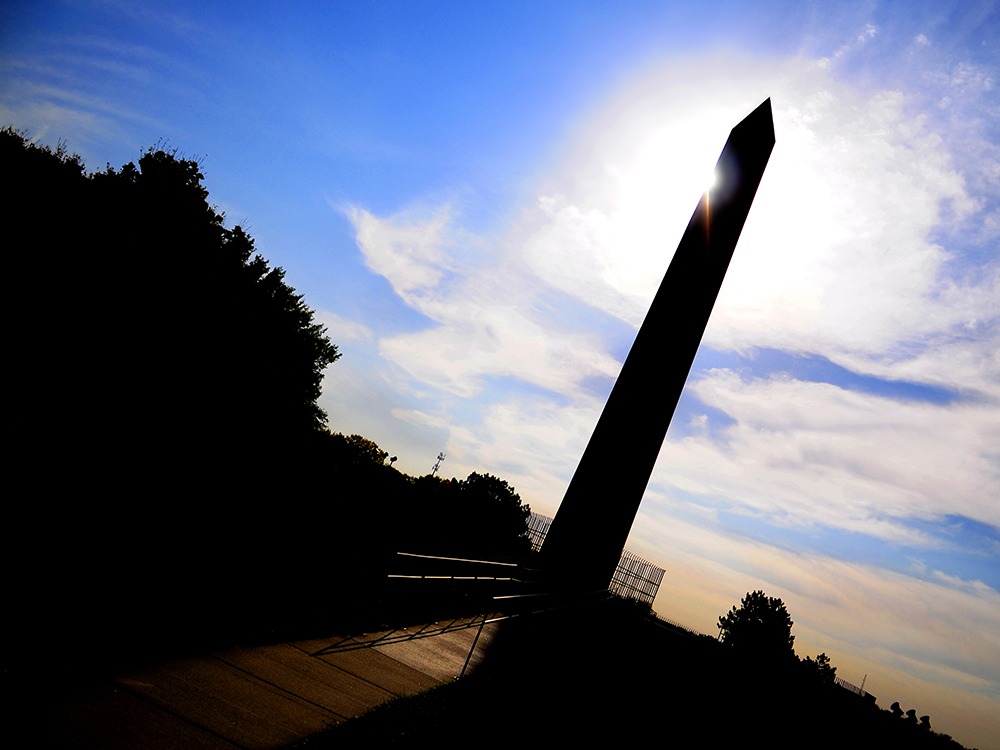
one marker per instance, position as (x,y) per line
(263,697)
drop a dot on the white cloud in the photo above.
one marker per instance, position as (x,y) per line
(838,258)
(475,343)
(836,255)
(835,259)
(815,454)
(867,33)
(485,324)
(573,249)
(341,329)
(970,79)
(405,250)
(536,443)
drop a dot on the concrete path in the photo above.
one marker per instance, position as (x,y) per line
(263,697)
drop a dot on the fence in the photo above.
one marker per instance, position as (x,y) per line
(634,578)
(854,689)
(538,527)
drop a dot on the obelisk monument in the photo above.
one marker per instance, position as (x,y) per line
(588,533)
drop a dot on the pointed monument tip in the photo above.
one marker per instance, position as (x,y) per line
(760,122)
(763,110)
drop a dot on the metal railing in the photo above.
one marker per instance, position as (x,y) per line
(849,687)
(411,565)
(635,578)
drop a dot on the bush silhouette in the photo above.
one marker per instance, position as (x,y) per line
(760,628)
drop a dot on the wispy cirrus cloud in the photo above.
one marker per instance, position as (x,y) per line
(837,259)
(407,251)
(780,481)
(810,453)
(484,325)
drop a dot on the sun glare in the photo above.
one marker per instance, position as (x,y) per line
(712,181)
(661,163)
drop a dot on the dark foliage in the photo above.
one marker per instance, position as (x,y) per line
(165,434)
(820,670)
(610,675)
(480,516)
(163,349)
(760,628)
(175,483)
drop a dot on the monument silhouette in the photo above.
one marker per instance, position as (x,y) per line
(588,533)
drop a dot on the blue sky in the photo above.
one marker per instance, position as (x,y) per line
(480,199)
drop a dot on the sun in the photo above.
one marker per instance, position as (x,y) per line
(634,174)
(658,165)
(712,181)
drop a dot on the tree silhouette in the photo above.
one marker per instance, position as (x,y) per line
(365,449)
(821,669)
(176,470)
(496,518)
(481,516)
(165,386)
(160,341)
(760,628)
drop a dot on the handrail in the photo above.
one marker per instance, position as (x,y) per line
(457,559)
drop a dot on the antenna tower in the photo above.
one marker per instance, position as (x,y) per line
(437,466)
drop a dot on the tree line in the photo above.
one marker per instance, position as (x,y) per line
(175,474)
(757,638)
